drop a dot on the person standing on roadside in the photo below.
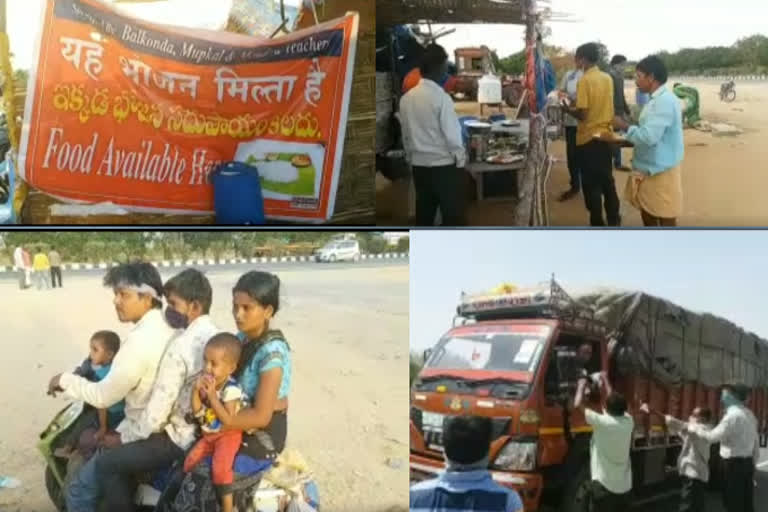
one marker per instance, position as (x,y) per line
(609,449)
(27,260)
(656,185)
(54,258)
(18,262)
(594,110)
(433,144)
(739,448)
(42,267)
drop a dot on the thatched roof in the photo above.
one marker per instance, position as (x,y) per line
(399,12)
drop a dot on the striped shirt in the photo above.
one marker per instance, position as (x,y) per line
(463,491)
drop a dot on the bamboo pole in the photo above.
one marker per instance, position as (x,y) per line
(2,15)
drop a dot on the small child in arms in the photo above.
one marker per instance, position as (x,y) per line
(216,390)
(104,346)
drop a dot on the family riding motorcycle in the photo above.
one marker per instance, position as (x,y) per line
(728,91)
(58,470)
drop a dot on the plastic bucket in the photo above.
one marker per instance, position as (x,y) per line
(237,194)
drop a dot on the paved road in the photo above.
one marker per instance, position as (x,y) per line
(229,267)
(714,503)
(348,329)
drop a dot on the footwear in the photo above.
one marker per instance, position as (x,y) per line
(568,194)
(624,168)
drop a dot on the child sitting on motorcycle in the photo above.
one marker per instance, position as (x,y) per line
(103,347)
(218,394)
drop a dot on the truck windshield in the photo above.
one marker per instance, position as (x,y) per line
(507,349)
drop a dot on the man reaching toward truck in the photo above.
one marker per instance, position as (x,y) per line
(693,462)
(609,449)
(739,448)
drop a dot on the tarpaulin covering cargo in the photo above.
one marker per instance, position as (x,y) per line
(674,345)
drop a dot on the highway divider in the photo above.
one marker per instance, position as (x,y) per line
(225,261)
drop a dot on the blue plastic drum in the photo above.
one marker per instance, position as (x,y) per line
(237,194)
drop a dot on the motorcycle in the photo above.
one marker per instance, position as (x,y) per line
(728,91)
(267,498)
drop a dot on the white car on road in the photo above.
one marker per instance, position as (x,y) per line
(339,250)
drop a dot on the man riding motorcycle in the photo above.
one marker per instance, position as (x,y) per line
(156,432)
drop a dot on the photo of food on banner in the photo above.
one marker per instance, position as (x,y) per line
(234,111)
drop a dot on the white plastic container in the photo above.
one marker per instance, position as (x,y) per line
(489,90)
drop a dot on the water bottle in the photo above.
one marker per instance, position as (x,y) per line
(8,482)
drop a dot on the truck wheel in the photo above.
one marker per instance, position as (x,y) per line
(576,495)
(55,492)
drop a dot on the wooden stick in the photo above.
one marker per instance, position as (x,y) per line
(520,104)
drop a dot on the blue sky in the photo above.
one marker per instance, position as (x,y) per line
(721,272)
(633,28)
(24,18)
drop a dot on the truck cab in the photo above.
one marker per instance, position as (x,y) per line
(513,358)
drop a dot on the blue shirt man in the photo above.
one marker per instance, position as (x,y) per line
(466,485)
(658,139)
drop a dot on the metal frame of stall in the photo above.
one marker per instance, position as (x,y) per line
(532,208)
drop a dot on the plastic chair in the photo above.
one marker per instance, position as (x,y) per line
(238,198)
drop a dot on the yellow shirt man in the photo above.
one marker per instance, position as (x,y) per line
(595,96)
(41,262)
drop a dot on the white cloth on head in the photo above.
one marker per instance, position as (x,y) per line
(171,394)
(132,375)
(142,288)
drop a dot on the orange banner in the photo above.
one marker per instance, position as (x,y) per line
(138,114)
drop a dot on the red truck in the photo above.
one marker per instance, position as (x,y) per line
(471,65)
(511,356)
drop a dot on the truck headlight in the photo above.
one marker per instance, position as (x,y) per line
(517,456)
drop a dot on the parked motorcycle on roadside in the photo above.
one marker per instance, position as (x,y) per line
(728,91)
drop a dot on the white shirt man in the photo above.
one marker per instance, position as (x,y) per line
(736,433)
(739,449)
(609,451)
(431,129)
(18,258)
(132,374)
(171,394)
(434,145)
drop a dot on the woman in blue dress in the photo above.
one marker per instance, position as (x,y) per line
(264,373)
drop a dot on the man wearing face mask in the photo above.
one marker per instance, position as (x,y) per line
(739,448)
(163,435)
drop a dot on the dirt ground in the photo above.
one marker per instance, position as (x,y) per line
(722,176)
(348,330)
